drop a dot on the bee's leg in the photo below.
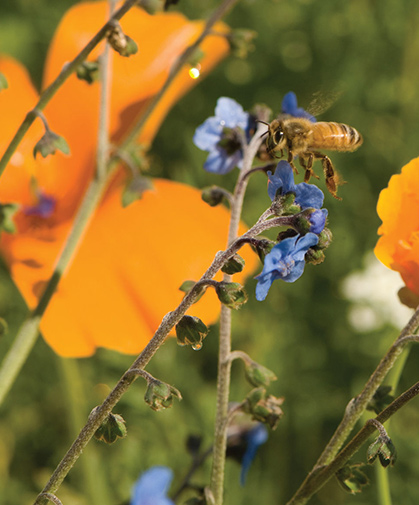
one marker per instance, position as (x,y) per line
(332,179)
(308,168)
(291,161)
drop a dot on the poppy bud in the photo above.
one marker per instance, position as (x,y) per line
(190,330)
(231,294)
(112,428)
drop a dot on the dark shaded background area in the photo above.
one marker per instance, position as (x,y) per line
(368,51)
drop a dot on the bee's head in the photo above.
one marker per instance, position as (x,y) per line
(276,137)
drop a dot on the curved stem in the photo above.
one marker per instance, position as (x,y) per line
(49,92)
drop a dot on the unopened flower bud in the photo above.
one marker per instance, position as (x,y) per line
(135,189)
(314,256)
(231,294)
(112,428)
(88,71)
(190,330)
(384,448)
(325,239)
(263,247)
(213,195)
(311,220)
(160,395)
(351,478)
(121,43)
(258,375)
(263,407)
(7,213)
(235,264)
(49,143)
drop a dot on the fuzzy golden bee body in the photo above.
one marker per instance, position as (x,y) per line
(303,138)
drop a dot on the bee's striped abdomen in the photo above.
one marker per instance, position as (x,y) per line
(335,137)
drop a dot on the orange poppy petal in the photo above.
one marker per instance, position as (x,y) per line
(398,207)
(15,102)
(126,274)
(135,80)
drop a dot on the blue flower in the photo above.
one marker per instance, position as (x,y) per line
(285,261)
(152,486)
(254,439)
(223,146)
(317,220)
(290,106)
(282,182)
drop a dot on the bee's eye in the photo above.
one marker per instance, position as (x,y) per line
(279,135)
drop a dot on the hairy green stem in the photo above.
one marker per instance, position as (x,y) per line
(319,476)
(355,409)
(224,361)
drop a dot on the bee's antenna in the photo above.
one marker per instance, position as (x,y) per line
(263,122)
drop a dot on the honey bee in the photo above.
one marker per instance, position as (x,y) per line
(302,137)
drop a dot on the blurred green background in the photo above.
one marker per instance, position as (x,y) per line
(367,50)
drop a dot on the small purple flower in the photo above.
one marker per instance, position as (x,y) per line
(285,261)
(306,195)
(44,208)
(254,439)
(216,135)
(290,106)
(317,220)
(152,486)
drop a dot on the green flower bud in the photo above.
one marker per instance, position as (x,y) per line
(213,195)
(121,43)
(235,264)
(134,189)
(263,247)
(231,294)
(258,375)
(49,144)
(112,428)
(263,407)
(88,71)
(314,256)
(190,330)
(159,395)
(352,479)
(384,448)
(325,239)
(7,213)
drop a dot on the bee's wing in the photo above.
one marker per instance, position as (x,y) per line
(322,101)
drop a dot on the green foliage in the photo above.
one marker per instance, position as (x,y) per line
(369,51)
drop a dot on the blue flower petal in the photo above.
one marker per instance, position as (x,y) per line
(308,195)
(290,106)
(282,180)
(285,262)
(208,134)
(152,486)
(231,113)
(318,220)
(218,162)
(254,438)
(44,208)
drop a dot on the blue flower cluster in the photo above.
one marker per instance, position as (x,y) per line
(217,135)
(286,260)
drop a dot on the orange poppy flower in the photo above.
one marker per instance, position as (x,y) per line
(128,268)
(398,208)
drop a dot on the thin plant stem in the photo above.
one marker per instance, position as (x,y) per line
(224,361)
(317,478)
(356,407)
(28,332)
(167,324)
(50,91)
